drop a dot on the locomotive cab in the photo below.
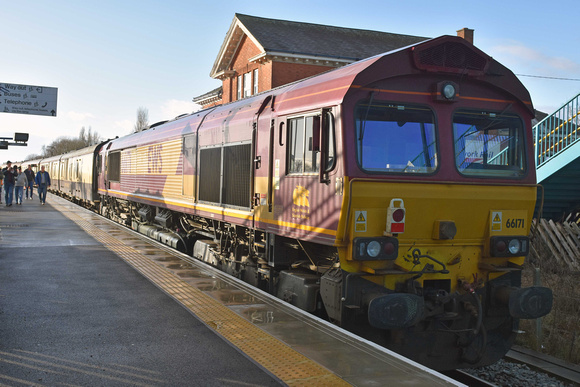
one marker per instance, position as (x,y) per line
(439,204)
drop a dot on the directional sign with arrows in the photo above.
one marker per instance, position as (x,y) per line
(27,99)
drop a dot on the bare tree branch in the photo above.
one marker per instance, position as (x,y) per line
(142,120)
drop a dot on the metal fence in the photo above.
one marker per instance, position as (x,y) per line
(557,131)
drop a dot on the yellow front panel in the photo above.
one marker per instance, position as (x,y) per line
(473,209)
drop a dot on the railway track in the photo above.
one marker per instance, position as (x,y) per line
(468,379)
(566,372)
(522,367)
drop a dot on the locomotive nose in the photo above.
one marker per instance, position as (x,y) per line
(526,303)
(395,311)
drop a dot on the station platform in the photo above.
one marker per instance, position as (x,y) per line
(84,301)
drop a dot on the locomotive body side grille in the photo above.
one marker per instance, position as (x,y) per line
(453,57)
(237,164)
(210,166)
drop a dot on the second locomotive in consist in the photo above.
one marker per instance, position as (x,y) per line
(392,196)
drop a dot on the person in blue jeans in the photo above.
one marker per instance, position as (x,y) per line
(1,184)
(43,182)
(8,183)
(21,182)
(30,184)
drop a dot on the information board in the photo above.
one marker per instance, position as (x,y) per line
(27,99)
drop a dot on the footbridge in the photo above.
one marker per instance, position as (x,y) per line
(557,155)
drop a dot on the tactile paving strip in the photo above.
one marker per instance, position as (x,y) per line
(284,362)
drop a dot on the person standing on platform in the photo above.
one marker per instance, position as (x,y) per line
(8,183)
(1,184)
(21,182)
(43,182)
(30,184)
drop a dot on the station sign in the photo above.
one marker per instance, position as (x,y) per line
(28,99)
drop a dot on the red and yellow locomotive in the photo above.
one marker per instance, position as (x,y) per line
(392,196)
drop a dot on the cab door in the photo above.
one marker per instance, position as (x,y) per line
(306,205)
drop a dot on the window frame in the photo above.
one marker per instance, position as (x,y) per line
(247,86)
(255,81)
(522,172)
(305,144)
(436,132)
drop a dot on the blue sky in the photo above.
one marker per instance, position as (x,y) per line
(108,58)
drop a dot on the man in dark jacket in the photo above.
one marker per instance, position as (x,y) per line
(43,182)
(30,184)
(8,184)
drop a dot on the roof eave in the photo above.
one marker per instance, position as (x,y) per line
(319,60)
(230,46)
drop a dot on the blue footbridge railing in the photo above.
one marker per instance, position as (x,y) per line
(557,132)
(557,154)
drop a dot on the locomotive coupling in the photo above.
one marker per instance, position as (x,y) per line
(395,311)
(526,303)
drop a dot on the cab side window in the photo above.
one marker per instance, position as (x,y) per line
(302,157)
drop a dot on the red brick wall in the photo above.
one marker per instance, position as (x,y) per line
(240,64)
(227,86)
(246,50)
(265,77)
(211,104)
(283,73)
(270,75)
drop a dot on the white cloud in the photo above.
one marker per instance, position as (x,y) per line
(174,108)
(124,127)
(523,57)
(76,116)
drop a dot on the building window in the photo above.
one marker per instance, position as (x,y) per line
(255,81)
(247,84)
(239,87)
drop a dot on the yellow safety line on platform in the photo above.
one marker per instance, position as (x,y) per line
(277,357)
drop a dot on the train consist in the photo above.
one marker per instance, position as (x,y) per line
(393,196)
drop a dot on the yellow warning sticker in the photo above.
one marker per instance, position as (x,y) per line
(360,221)
(496,221)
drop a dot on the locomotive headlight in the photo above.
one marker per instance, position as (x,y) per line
(373,249)
(448,91)
(514,246)
(509,246)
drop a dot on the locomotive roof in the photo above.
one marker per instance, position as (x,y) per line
(331,87)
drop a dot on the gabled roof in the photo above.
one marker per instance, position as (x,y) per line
(282,38)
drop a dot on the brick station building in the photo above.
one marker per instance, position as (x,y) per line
(259,54)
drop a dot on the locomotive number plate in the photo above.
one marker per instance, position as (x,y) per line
(508,222)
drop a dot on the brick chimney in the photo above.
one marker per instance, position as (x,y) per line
(466,33)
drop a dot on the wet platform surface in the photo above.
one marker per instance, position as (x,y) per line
(73,312)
